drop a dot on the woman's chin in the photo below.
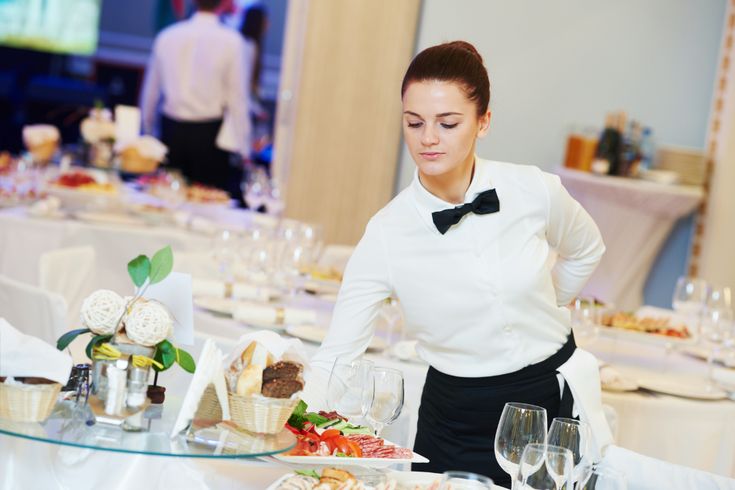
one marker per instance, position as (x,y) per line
(432,169)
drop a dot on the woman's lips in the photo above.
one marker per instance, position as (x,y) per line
(431,155)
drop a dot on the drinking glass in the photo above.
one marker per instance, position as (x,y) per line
(388,397)
(716,313)
(225,250)
(584,319)
(293,264)
(463,480)
(255,188)
(544,467)
(520,424)
(600,478)
(689,298)
(350,387)
(574,435)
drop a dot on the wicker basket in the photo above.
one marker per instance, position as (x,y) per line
(132,161)
(43,152)
(28,403)
(254,413)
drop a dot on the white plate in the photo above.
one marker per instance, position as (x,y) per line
(674,385)
(643,337)
(411,480)
(620,385)
(321,461)
(109,218)
(316,334)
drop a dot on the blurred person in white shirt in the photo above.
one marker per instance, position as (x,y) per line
(198,73)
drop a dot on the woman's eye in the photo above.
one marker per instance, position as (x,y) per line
(414,124)
(449,126)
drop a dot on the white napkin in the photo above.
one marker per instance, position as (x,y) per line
(281,348)
(268,315)
(609,376)
(218,289)
(25,355)
(48,207)
(209,370)
(582,373)
(646,473)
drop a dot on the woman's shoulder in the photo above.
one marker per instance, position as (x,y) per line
(520,174)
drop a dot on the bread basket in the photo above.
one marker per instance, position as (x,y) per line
(28,403)
(43,152)
(132,161)
(253,413)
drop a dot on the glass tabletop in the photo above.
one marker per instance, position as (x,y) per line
(72,424)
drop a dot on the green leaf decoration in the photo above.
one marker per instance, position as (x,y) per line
(165,354)
(161,264)
(96,340)
(69,337)
(185,360)
(139,268)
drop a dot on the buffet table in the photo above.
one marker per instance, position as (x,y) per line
(635,217)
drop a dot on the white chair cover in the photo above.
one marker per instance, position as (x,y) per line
(646,473)
(32,310)
(70,273)
(336,256)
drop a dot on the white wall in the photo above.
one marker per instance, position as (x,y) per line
(562,62)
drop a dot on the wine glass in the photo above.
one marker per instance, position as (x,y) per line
(717,312)
(293,264)
(601,478)
(520,424)
(689,298)
(387,400)
(463,480)
(255,188)
(584,319)
(225,249)
(544,467)
(261,263)
(350,387)
(573,435)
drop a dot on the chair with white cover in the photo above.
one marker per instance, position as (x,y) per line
(70,273)
(32,310)
(646,473)
(336,257)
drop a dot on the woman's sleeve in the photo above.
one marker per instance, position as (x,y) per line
(576,238)
(366,284)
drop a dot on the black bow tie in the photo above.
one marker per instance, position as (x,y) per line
(485,203)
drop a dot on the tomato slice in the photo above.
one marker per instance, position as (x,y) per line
(343,445)
(329,433)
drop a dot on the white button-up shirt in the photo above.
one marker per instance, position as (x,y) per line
(200,69)
(487,297)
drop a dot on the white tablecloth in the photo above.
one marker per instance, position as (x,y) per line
(635,218)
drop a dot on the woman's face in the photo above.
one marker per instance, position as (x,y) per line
(440,126)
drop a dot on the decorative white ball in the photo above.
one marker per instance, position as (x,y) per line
(101,311)
(148,323)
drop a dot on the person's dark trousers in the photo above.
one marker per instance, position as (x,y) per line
(192,149)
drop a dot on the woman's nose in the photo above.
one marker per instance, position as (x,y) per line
(429,137)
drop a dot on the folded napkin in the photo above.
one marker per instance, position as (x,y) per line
(612,378)
(48,207)
(582,373)
(28,356)
(222,289)
(646,473)
(273,315)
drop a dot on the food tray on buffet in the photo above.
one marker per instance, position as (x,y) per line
(647,325)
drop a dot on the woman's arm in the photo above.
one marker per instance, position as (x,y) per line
(365,286)
(576,238)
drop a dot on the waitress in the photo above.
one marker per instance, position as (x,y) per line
(467,248)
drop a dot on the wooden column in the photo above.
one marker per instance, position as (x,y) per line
(339,119)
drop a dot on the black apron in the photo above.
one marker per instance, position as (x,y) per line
(458,416)
(192,149)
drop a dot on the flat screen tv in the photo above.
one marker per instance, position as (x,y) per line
(59,26)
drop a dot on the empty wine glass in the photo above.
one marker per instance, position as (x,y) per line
(463,480)
(388,397)
(261,263)
(601,478)
(716,313)
(350,387)
(544,467)
(225,250)
(294,261)
(574,435)
(689,298)
(520,424)
(255,188)
(584,319)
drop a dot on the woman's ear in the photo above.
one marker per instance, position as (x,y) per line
(484,124)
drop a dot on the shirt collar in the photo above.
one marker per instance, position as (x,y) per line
(200,16)
(427,203)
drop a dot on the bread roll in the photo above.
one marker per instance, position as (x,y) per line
(282,370)
(282,388)
(250,380)
(256,354)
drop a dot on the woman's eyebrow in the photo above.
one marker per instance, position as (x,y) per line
(443,114)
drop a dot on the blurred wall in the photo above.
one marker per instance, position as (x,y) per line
(555,64)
